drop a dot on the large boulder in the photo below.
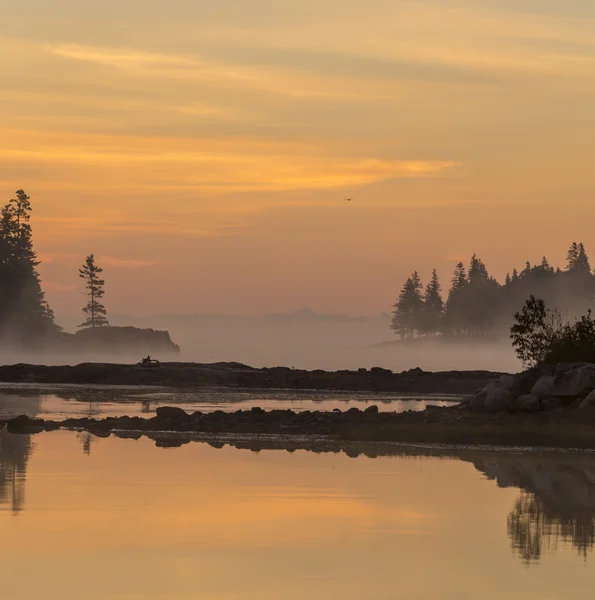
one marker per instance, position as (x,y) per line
(544,387)
(498,400)
(171,413)
(589,401)
(527,403)
(493,391)
(505,382)
(576,382)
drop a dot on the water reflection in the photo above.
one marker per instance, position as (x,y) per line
(557,501)
(15,451)
(556,505)
(62,402)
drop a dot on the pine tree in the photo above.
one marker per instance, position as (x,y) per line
(572,256)
(478,273)
(433,308)
(545,265)
(507,279)
(95,311)
(515,275)
(24,313)
(582,260)
(455,317)
(408,310)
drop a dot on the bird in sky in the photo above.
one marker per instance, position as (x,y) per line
(348,199)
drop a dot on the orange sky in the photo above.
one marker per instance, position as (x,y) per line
(203,150)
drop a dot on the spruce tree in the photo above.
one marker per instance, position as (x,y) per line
(24,313)
(572,256)
(478,273)
(433,308)
(455,310)
(407,314)
(507,279)
(582,260)
(94,309)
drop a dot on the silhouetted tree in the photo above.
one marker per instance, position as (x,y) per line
(433,307)
(94,309)
(456,318)
(408,311)
(24,313)
(572,256)
(478,305)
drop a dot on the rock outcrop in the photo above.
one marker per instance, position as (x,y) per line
(551,388)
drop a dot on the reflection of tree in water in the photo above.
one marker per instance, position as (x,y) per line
(15,451)
(86,439)
(14,455)
(557,501)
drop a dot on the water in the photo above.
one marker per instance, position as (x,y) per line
(60,402)
(83,517)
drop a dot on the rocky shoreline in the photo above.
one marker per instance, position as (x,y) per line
(451,425)
(235,375)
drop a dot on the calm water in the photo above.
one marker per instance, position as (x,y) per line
(61,402)
(82,517)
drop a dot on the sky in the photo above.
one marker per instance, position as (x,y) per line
(204,150)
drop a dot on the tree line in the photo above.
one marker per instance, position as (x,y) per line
(25,315)
(478,305)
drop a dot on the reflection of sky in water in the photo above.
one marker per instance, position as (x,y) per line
(125,519)
(98,403)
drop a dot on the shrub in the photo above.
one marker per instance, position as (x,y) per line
(539,336)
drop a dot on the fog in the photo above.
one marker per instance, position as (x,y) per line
(303,340)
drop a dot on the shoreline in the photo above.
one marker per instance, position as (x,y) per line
(238,376)
(452,425)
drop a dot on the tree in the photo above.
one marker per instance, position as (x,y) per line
(582,260)
(478,273)
(455,311)
(433,307)
(95,311)
(539,335)
(535,330)
(572,256)
(24,313)
(407,314)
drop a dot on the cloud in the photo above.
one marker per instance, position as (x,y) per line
(208,165)
(123,263)
(457,257)
(56,286)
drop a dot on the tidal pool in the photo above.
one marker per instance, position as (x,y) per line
(92,518)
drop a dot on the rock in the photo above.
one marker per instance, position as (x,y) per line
(505,382)
(577,381)
(371,409)
(171,413)
(526,381)
(416,371)
(543,387)
(380,371)
(551,403)
(24,424)
(527,403)
(498,400)
(589,401)
(478,402)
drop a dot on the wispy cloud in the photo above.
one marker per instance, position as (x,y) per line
(124,263)
(56,286)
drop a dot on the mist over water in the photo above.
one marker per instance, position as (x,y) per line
(303,340)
